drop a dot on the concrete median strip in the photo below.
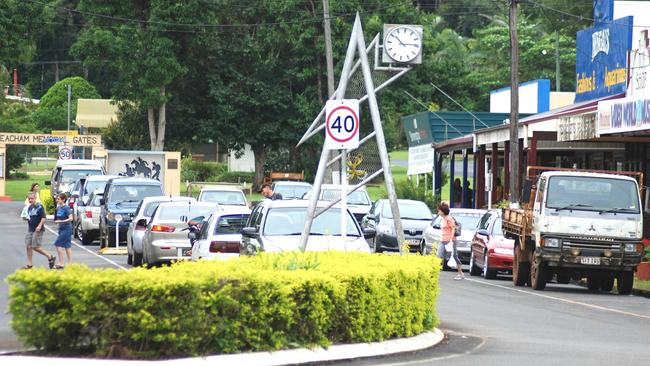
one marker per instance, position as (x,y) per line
(286,357)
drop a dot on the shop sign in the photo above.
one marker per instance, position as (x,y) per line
(417,131)
(420,159)
(601,59)
(639,67)
(580,127)
(623,115)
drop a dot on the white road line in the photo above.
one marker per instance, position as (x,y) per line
(90,251)
(598,307)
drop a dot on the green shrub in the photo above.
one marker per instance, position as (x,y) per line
(200,171)
(264,302)
(19,175)
(47,201)
(233,177)
(408,189)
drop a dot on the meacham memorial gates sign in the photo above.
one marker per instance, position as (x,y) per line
(45,139)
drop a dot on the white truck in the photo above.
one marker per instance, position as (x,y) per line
(578,224)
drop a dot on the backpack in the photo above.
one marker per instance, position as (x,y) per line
(458,228)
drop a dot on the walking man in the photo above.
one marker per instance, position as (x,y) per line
(35,228)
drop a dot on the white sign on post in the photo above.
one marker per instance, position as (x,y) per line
(65,152)
(342,124)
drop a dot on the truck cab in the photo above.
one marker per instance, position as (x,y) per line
(577,225)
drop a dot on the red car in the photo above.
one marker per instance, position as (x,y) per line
(491,252)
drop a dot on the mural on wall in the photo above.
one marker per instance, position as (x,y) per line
(136,164)
(140,168)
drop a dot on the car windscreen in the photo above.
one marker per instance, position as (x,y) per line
(497,230)
(230,224)
(468,221)
(184,213)
(354,198)
(283,221)
(291,191)
(133,193)
(409,210)
(93,186)
(224,198)
(73,175)
(592,194)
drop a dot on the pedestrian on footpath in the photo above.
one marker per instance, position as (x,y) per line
(63,242)
(448,228)
(267,191)
(35,228)
(36,188)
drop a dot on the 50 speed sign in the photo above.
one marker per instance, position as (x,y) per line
(342,124)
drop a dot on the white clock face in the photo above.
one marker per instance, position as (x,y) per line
(403,44)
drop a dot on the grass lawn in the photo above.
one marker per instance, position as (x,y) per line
(642,285)
(399,155)
(38,166)
(17,189)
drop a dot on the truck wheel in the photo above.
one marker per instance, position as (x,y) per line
(473,269)
(538,275)
(563,279)
(520,270)
(594,283)
(607,284)
(625,282)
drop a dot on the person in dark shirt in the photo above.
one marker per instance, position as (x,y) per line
(267,191)
(63,242)
(35,229)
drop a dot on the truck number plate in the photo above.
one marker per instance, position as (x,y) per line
(595,261)
(184,252)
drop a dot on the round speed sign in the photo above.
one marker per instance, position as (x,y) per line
(65,153)
(342,124)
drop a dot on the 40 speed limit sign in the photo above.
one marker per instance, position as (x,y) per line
(342,124)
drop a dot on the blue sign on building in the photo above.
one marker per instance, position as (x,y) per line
(601,59)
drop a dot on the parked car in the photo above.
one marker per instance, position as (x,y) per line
(121,198)
(67,172)
(220,236)
(275,226)
(135,232)
(88,228)
(224,196)
(415,216)
(468,219)
(166,236)
(80,192)
(291,189)
(491,252)
(359,202)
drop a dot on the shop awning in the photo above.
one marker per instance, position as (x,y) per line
(96,113)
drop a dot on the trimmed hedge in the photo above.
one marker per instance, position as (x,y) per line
(265,302)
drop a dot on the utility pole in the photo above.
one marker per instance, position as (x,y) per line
(514,105)
(557,61)
(69,97)
(330,77)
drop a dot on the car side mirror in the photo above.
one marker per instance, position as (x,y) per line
(102,201)
(369,233)
(141,223)
(371,217)
(48,182)
(483,232)
(249,232)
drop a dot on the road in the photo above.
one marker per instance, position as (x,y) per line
(487,322)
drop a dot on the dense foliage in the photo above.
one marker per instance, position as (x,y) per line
(266,302)
(253,73)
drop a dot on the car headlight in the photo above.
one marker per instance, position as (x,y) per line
(552,242)
(630,247)
(110,216)
(504,251)
(118,217)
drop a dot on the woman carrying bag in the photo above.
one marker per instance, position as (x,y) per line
(447,246)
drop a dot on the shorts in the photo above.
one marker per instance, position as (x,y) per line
(445,255)
(34,239)
(64,239)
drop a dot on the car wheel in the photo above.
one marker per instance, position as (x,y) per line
(76,230)
(520,269)
(376,247)
(473,268)
(423,247)
(129,259)
(86,238)
(488,274)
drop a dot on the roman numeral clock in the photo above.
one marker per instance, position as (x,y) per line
(402,44)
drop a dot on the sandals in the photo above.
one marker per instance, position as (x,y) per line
(51,261)
(27,266)
(58,266)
